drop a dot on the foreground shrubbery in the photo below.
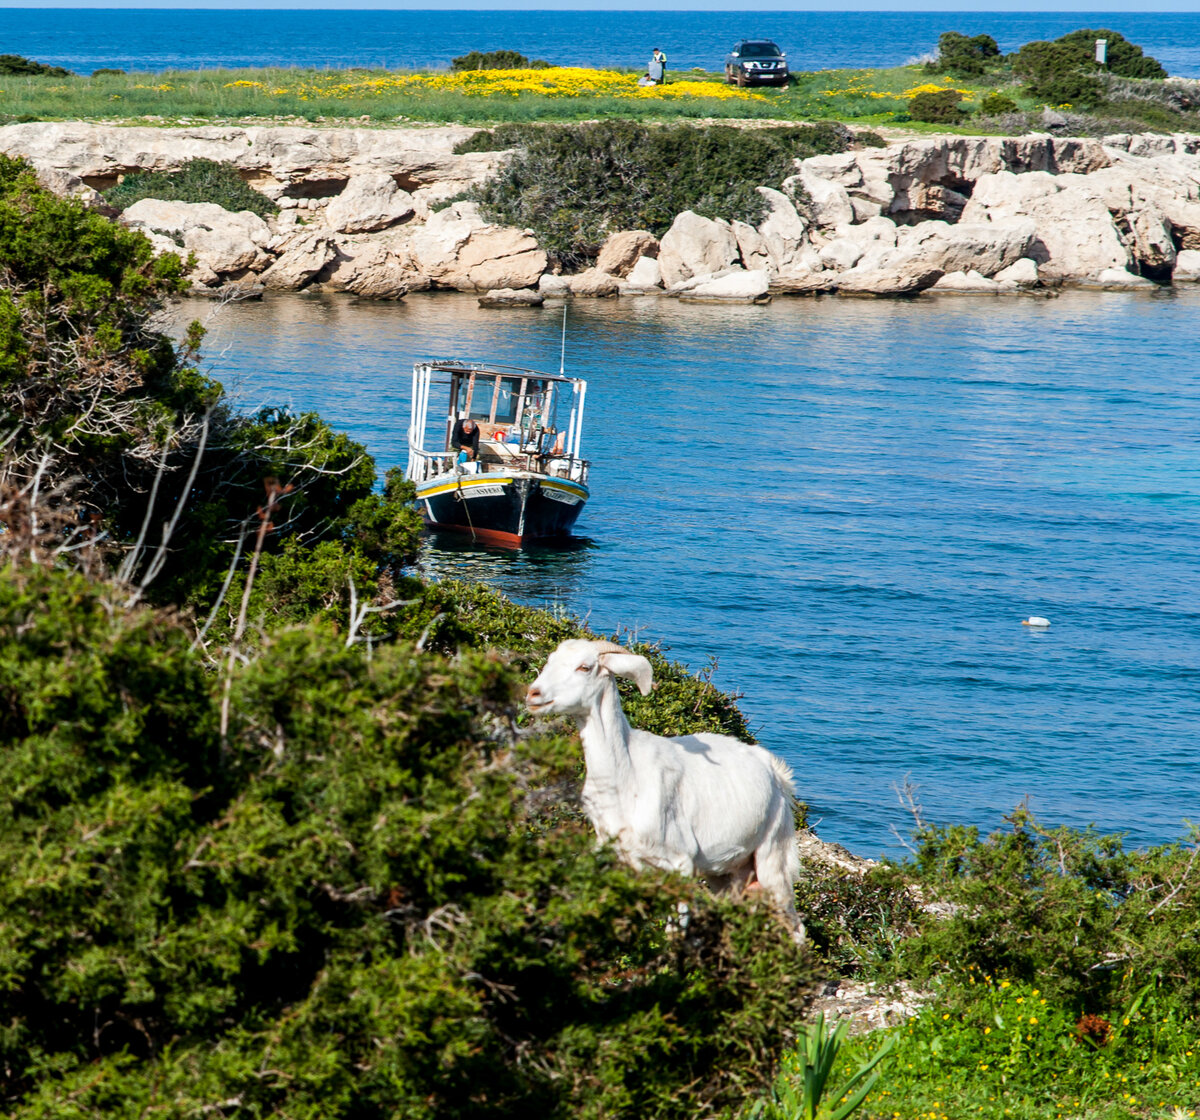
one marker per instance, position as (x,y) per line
(364,901)
(574,184)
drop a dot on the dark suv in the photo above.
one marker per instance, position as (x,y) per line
(756,62)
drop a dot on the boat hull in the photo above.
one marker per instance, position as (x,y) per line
(503,509)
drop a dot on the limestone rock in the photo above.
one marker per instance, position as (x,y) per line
(985,247)
(829,203)
(1023,273)
(694,246)
(512,297)
(966,283)
(644,276)
(621,251)
(874,230)
(1150,240)
(371,270)
(553,285)
(752,246)
(734,287)
(594,284)
(369,202)
(804,283)
(1187,266)
(783,232)
(277,160)
(904,276)
(300,257)
(225,249)
(1076,237)
(1117,279)
(456,248)
(223,241)
(841,254)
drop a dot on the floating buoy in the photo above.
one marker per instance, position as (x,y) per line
(1035,620)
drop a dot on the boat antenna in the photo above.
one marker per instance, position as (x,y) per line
(562,357)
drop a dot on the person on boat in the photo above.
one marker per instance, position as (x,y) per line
(465,440)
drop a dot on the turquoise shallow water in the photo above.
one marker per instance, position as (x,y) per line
(851,505)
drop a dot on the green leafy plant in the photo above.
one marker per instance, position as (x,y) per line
(803,1091)
(575,184)
(497,60)
(18,64)
(941,106)
(198,180)
(964,56)
(995,104)
(1064,71)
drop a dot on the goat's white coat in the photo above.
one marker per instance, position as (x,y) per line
(704,804)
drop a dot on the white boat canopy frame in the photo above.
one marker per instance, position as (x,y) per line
(519,401)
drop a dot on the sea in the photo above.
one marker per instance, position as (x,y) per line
(846,509)
(157,39)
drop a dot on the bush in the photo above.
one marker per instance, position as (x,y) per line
(963,56)
(107,72)
(1064,72)
(199,180)
(575,184)
(367,888)
(995,104)
(17,64)
(497,60)
(937,107)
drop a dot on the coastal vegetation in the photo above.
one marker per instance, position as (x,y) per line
(493,87)
(574,184)
(198,180)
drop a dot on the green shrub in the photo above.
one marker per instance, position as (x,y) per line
(995,104)
(963,56)
(369,889)
(17,64)
(869,139)
(1125,59)
(1071,912)
(199,180)
(942,106)
(1064,72)
(575,184)
(496,60)
(106,71)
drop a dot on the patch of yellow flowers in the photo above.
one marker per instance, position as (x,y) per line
(555,81)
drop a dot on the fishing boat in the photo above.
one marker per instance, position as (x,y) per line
(528,481)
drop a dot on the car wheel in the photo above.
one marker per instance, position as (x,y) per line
(729,75)
(741,77)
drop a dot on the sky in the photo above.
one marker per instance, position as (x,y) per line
(1183,6)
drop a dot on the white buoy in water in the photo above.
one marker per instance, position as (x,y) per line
(1036,620)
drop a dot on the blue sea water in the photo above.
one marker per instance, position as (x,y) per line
(162,39)
(851,506)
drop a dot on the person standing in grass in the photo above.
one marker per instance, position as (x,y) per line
(658,67)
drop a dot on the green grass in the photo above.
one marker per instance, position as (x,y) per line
(867,96)
(997,1049)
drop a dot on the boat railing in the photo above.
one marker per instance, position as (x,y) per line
(424,465)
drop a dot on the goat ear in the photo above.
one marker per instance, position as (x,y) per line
(632,666)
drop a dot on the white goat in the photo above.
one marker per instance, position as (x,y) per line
(704,805)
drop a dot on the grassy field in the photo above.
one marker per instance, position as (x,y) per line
(869,97)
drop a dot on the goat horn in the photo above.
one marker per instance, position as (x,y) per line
(609,647)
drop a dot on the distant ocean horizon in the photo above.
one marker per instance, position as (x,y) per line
(154,39)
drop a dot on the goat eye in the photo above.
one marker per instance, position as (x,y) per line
(584,669)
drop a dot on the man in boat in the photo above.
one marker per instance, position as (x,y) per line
(465,439)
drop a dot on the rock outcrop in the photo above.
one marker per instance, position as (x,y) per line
(359,214)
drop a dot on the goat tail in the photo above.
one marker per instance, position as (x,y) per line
(785,777)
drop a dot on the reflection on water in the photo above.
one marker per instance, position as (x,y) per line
(852,505)
(551,576)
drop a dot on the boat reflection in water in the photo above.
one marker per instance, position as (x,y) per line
(547,576)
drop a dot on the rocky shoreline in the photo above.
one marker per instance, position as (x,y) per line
(371,212)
